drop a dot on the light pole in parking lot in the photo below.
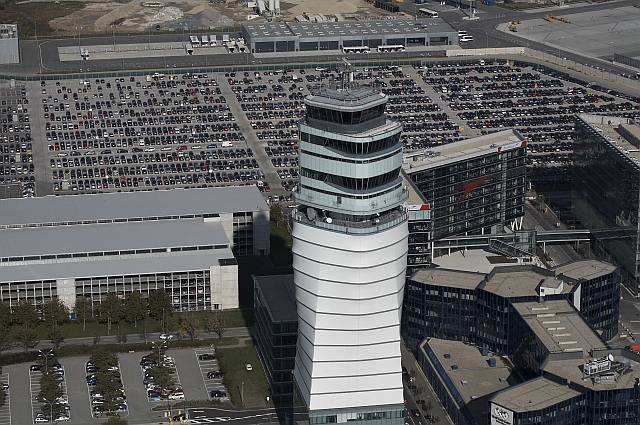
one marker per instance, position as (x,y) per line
(242,393)
(50,403)
(45,356)
(159,346)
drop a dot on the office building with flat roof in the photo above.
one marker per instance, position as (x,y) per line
(605,189)
(479,308)
(90,245)
(276,323)
(264,37)
(571,375)
(472,185)
(349,258)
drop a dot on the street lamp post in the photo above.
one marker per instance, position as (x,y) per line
(46,358)
(163,328)
(159,346)
(242,393)
(50,403)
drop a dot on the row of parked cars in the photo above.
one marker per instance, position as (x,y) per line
(158,372)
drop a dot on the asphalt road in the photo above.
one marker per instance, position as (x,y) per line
(77,390)
(244,417)
(191,377)
(20,394)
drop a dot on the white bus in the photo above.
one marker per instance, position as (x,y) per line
(391,48)
(212,41)
(230,47)
(205,41)
(355,49)
(194,41)
(428,12)
(189,48)
(241,47)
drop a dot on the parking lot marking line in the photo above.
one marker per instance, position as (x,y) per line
(6,408)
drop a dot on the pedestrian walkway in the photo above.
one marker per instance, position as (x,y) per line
(428,395)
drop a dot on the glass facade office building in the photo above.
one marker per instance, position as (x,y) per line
(605,191)
(472,185)
(479,309)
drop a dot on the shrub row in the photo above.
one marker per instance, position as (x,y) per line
(73,350)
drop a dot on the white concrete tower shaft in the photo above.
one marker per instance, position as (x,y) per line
(349,257)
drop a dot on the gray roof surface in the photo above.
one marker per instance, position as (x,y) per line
(571,369)
(451,278)
(517,281)
(535,394)
(49,240)
(371,28)
(114,266)
(559,326)
(472,367)
(278,292)
(107,206)
(455,152)
(585,269)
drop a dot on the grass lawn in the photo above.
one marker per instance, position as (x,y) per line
(25,14)
(256,387)
(280,246)
(73,329)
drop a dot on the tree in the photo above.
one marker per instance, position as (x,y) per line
(160,301)
(55,335)
(5,324)
(5,316)
(189,325)
(55,312)
(24,313)
(144,333)
(110,308)
(217,323)
(135,307)
(26,336)
(83,310)
(121,336)
(116,420)
(276,213)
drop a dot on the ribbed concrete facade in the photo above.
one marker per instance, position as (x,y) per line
(349,292)
(350,239)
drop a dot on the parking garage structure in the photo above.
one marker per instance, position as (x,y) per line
(270,37)
(182,241)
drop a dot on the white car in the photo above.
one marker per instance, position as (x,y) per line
(466,38)
(248,367)
(149,149)
(62,418)
(40,419)
(166,337)
(176,396)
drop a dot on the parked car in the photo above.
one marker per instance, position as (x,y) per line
(35,367)
(215,374)
(248,367)
(166,337)
(217,394)
(206,357)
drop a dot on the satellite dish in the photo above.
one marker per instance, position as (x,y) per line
(329,220)
(311,213)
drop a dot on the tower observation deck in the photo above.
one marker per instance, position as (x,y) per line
(349,257)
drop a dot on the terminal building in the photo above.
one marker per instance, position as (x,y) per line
(9,49)
(605,190)
(265,37)
(182,241)
(349,258)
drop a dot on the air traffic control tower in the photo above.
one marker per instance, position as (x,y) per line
(349,257)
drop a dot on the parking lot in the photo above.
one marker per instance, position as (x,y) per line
(207,370)
(16,156)
(235,128)
(5,410)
